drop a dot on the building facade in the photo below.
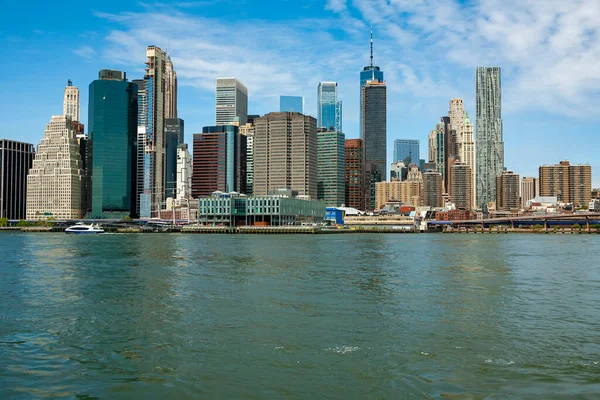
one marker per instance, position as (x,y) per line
(219,162)
(16,158)
(54,182)
(285,154)
(507,191)
(489,142)
(406,192)
(369,73)
(112,124)
(170,89)
(431,192)
(248,131)
(374,124)
(174,137)
(530,189)
(354,174)
(571,184)
(331,167)
(462,128)
(461,190)
(151,135)
(184,172)
(71,102)
(231,101)
(407,151)
(329,109)
(291,104)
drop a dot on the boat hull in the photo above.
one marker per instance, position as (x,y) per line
(83,232)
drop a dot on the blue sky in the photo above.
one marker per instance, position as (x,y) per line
(549,52)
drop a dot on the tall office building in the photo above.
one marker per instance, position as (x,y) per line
(569,183)
(443,150)
(398,171)
(330,167)
(461,191)
(369,73)
(285,154)
(112,124)
(291,104)
(170,89)
(354,174)
(432,146)
(231,101)
(374,128)
(248,131)
(54,182)
(530,189)
(151,134)
(431,193)
(507,191)
(407,151)
(329,109)
(16,159)
(463,132)
(174,137)
(71,102)
(489,142)
(219,162)
(184,172)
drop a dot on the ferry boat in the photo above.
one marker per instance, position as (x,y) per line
(81,228)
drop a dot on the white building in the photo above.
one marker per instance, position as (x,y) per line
(54,182)
(248,131)
(461,123)
(594,205)
(184,173)
(231,101)
(71,102)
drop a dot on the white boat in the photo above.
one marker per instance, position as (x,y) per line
(81,228)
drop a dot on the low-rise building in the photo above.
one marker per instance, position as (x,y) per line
(233,209)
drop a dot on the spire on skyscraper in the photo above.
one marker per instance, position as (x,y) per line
(371,47)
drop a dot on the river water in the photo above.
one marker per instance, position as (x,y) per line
(353,316)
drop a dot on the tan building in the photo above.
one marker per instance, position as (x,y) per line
(461,190)
(507,191)
(405,192)
(569,183)
(464,140)
(71,102)
(431,191)
(54,182)
(530,189)
(285,154)
(170,89)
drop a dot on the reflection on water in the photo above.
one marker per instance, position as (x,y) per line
(360,316)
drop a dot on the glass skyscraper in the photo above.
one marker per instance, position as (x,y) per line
(369,73)
(112,124)
(329,109)
(173,138)
(405,148)
(489,143)
(291,104)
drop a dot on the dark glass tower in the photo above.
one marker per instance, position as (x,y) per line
(369,73)
(16,159)
(112,128)
(173,137)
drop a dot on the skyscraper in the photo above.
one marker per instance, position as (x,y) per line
(16,159)
(285,154)
(329,109)
(432,189)
(374,128)
(489,142)
(71,102)
(369,73)
(354,174)
(330,167)
(231,101)
(170,89)
(248,131)
(530,189)
(112,124)
(174,137)
(54,182)
(184,172)
(464,139)
(219,162)
(507,191)
(407,151)
(151,134)
(291,104)
(461,191)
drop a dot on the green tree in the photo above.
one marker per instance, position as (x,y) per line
(3,222)
(576,227)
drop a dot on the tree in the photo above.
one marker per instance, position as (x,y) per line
(3,222)
(576,227)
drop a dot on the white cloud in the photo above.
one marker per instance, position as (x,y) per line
(85,52)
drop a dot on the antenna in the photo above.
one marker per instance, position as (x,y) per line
(371,47)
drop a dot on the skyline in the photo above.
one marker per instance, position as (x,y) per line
(540,115)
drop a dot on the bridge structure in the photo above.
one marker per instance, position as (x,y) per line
(546,220)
